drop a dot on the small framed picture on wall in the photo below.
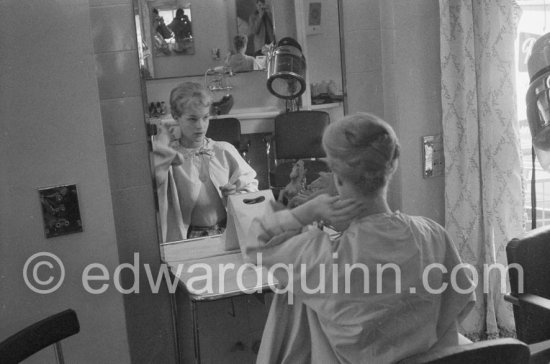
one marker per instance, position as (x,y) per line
(314,18)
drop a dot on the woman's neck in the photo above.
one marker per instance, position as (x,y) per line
(190,144)
(375,204)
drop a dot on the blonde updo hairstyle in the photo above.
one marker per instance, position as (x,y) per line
(188,96)
(362,149)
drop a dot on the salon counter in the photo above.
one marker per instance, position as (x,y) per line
(221,303)
(208,272)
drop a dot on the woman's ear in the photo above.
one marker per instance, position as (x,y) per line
(393,166)
(337,180)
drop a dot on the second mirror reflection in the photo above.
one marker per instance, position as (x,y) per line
(172,31)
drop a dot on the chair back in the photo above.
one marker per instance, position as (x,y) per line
(531,252)
(225,129)
(298,134)
(499,351)
(39,335)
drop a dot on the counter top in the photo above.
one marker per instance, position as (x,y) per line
(209,272)
(193,249)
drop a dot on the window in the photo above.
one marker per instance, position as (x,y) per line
(534,22)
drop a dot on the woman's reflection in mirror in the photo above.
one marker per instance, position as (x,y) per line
(260,25)
(239,61)
(181,26)
(195,174)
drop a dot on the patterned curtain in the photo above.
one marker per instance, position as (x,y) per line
(483,183)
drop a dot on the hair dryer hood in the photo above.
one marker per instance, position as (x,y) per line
(286,70)
(538,111)
(538,98)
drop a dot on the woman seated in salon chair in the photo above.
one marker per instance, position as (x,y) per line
(336,302)
(239,61)
(195,174)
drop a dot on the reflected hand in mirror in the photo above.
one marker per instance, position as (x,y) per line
(228,189)
(194,174)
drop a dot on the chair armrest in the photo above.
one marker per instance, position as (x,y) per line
(540,352)
(535,300)
(529,298)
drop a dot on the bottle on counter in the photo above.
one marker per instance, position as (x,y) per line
(332,88)
(322,88)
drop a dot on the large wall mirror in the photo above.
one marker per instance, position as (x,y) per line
(315,24)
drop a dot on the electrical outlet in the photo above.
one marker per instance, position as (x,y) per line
(215,53)
(433,161)
(60,210)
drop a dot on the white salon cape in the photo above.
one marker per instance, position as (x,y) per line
(178,182)
(357,324)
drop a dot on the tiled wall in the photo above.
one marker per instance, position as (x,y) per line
(148,315)
(52,135)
